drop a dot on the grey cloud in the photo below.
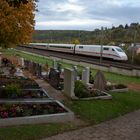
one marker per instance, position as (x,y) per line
(115,11)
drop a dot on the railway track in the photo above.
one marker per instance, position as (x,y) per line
(81,58)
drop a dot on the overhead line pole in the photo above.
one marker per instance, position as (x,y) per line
(135,35)
(101,42)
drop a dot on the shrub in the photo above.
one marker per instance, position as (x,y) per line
(137,59)
(13,90)
(81,90)
(120,86)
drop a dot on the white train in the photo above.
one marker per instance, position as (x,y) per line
(112,52)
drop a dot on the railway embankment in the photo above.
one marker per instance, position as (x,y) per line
(119,69)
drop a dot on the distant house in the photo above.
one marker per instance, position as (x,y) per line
(122,44)
(134,49)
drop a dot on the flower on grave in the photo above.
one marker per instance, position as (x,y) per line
(19,110)
(13,110)
(1,108)
(34,110)
(4,114)
(60,109)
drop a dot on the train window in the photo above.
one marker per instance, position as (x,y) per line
(106,49)
(113,50)
(80,47)
(119,50)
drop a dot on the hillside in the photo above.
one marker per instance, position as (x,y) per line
(115,35)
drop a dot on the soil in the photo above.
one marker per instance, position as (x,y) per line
(135,87)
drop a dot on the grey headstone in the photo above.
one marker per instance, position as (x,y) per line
(85,75)
(100,81)
(75,72)
(69,82)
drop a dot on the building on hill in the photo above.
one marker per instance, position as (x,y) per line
(134,49)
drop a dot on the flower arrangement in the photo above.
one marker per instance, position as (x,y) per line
(21,110)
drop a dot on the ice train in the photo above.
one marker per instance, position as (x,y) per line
(112,52)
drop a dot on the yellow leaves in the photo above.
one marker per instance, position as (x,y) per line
(76,41)
(16,24)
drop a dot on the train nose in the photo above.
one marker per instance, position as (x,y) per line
(124,57)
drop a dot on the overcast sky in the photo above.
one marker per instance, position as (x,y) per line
(85,14)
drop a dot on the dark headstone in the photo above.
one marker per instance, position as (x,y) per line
(54,78)
(59,67)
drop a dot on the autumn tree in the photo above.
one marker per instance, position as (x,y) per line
(75,42)
(16,21)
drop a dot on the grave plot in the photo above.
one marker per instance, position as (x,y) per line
(22,101)
(33,112)
(22,82)
(84,92)
(7,93)
(82,89)
(54,79)
(116,87)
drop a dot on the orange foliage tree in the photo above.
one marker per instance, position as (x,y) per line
(16,22)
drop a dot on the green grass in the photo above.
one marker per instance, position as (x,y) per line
(118,78)
(33,132)
(122,79)
(97,111)
(94,111)
(35,58)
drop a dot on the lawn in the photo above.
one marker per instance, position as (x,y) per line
(97,111)
(92,112)
(33,132)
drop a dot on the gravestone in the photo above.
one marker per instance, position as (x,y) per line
(26,64)
(0,59)
(54,64)
(30,66)
(54,78)
(100,81)
(59,67)
(34,69)
(38,70)
(19,72)
(22,62)
(75,72)
(69,82)
(85,75)
(46,67)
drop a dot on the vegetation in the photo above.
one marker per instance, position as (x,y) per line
(13,90)
(17,22)
(90,111)
(98,110)
(137,59)
(33,132)
(112,77)
(81,90)
(113,36)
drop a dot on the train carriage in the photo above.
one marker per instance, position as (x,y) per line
(113,52)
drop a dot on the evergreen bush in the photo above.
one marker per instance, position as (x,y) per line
(81,90)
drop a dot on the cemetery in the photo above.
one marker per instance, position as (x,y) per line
(28,103)
(23,99)
(67,80)
(28,109)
